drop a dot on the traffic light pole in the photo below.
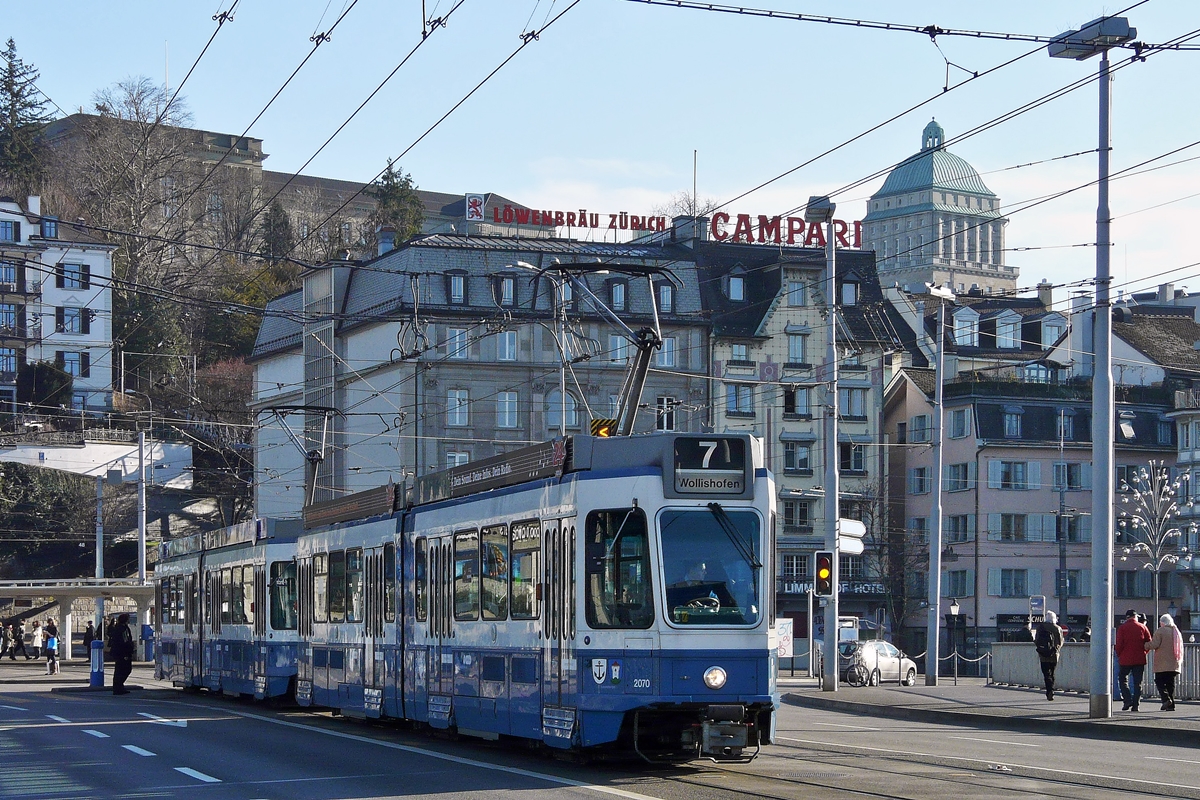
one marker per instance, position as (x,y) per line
(832,494)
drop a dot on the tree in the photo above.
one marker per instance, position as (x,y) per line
(685,204)
(397,205)
(47,523)
(44,386)
(23,117)
(275,234)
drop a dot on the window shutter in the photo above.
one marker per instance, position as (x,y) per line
(60,278)
(1086,476)
(17,232)
(1033,527)
(970,527)
(1085,527)
(912,481)
(1033,582)
(86,275)
(1060,475)
(85,364)
(993,474)
(85,320)
(945,477)
(970,583)
(1058,583)
(1085,583)
(945,584)
(58,319)
(972,468)
(60,358)
(1144,583)
(1049,527)
(993,582)
(993,528)
(1034,473)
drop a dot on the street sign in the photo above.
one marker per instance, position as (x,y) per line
(850,535)
(784,629)
(1037,605)
(851,547)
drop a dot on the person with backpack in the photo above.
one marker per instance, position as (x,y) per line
(18,643)
(1047,641)
(1130,648)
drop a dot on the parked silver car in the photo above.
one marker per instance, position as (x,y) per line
(871,663)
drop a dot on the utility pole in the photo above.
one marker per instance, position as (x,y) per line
(933,635)
(1064,584)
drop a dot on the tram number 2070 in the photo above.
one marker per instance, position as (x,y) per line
(641,683)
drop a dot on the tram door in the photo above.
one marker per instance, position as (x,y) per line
(374,672)
(558,628)
(440,669)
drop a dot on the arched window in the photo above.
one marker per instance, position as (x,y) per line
(554,409)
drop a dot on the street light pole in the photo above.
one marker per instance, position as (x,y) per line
(935,524)
(1096,38)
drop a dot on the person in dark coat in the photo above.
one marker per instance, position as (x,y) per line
(89,636)
(1048,640)
(120,640)
(18,643)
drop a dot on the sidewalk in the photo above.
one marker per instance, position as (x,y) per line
(974,703)
(30,676)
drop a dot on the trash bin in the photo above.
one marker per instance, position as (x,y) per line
(147,640)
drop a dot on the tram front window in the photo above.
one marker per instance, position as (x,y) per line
(283,595)
(618,570)
(711,566)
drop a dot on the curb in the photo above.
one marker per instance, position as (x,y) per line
(1115,731)
(82,689)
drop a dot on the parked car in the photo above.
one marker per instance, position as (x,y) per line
(871,663)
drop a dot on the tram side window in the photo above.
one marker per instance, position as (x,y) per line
(227,597)
(337,586)
(320,587)
(177,600)
(354,585)
(495,572)
(618,570)
(421,579)
(524,569)
(389,583)
(248,594)
(283,595)
(239,597)
(466,575)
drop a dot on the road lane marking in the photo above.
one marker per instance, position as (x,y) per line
(97,734)
(56,719)
(993,741)
(1068,773)
(15,708)
(133,748)
(200,776)
(178,723)
(1180,760)
(855,727)
(469,762)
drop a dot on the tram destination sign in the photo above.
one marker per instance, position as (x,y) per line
(711,465)
(527,464)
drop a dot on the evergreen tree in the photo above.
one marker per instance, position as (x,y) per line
(23,117)
(397,204)
(275,233)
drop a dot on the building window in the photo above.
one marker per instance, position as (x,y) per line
(554,410)
(737,288)
(458,289)
(794,567)
(958,528)
(1066,427)
(966,330)
(506,410)
(10,230)
(849,293)
(958,477)
(1129,584)
(918,480)
(666,354)
(1012,425)
(1013,475)
(665,413)
(958,584)
(1070,580)
(617,295)
(77,365)
(852,568)
(72,276)
(1006,335)
(1013,527)
(918,530)
(796,514)
(457,459)
(852,403)
(1014,583)
(797,348)
(457,405)
(958,423)
(1185,436)
(795,401)
(456,343)
(740,353)
(797,457)
(49,228)
(852,458)
(666,297)
(8,318)
(506,346)
(739,399)
(618,347)
(8,360)
(919,428)
(796,294)
(78,401)
(1069,477)
(1164,432)
(8,272)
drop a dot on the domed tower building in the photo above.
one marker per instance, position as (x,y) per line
(935,221)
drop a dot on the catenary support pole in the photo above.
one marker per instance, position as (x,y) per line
(935,523)
(830,506)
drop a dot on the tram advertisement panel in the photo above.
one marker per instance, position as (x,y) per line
(711,465)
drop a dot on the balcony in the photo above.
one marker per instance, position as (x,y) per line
(23,288)
(1186,399)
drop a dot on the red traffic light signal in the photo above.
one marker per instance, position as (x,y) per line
(823,585)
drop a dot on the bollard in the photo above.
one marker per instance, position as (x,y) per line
(97,656)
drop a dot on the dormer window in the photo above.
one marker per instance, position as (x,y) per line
(506,290)
(1052,332)
(617,299)
(456,288)
(737,288)
(49,228)
(1007,332)
(666,297)
(850,293)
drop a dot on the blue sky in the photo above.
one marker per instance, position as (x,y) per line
(604,109)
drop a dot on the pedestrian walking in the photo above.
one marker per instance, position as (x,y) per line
(1047,641)
(120,642)
(18,643)
(36,638)
(1167,644)
(1131,659)
(89,636)
(6,635)
(51,655)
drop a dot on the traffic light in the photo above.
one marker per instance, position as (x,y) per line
(823,586)
(603,427)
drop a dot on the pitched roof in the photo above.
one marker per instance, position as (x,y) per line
(1168,340)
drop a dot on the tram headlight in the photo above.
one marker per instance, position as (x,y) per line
(714,677)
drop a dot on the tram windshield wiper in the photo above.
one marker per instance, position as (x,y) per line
(726,525)
(608,553)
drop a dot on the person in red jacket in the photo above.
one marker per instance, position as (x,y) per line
(1131,659)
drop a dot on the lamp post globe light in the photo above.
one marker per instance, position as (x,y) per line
(1150,509)
(1096,38)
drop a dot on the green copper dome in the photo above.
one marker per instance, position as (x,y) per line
(933,167)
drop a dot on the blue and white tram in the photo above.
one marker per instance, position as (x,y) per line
(226,612)
(590,593)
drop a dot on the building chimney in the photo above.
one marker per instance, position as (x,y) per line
(1166,294)
(684,229)
(1045,291)
(387,239)
(34,204)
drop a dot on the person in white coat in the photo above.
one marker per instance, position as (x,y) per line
(1167,644)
